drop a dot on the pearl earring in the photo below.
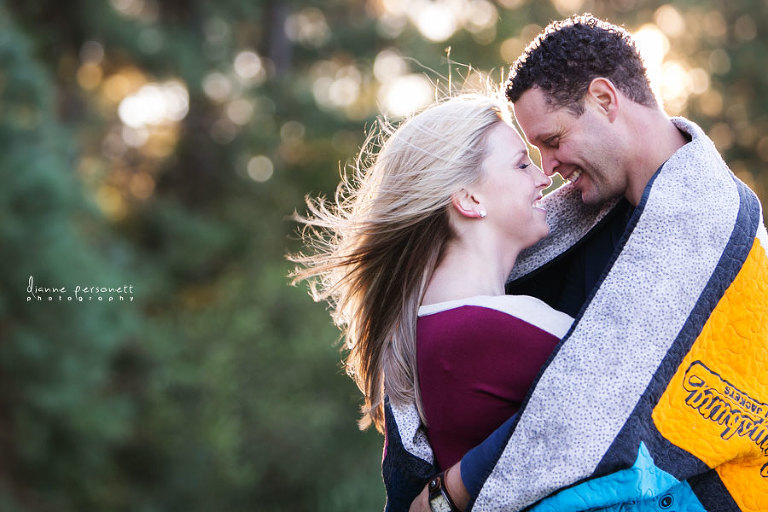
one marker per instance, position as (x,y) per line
(483,213)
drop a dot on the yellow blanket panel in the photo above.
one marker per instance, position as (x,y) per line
(716,405)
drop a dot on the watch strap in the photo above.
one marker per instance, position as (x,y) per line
(437,486)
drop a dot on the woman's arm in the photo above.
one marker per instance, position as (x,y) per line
(465,479)
(453,485)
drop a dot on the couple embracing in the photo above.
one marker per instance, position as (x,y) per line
(604,347)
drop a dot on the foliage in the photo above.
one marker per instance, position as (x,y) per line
(63,409)
(219,387)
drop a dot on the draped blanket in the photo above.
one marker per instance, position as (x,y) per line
(657,398)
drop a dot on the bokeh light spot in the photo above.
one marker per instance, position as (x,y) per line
(217,86)
(91,51)
(436,20)
(653,46)
(512,4)
(248,65)
(744,28)
(308,27)
(481,16)
(406,94)
(89,76)
(698,80)
(116,87)
(669,20)
(292,131)
(131,8)
(135,137)
(335,86)
(223,131)
(388,64)
(155,104)
(714,25)
(762,149)
(111,202)
(240,111)
(568,7)
(722,135)
(511,49)
(260,168)
(141,185)
(719,61)
(711,103)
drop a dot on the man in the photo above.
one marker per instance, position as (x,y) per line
(657,397)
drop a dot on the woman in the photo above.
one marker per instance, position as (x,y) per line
(413,256)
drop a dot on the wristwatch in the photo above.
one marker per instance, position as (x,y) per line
(439,499)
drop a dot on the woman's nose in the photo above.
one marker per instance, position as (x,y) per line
(542,179)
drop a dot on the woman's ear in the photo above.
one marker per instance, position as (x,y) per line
(466,205)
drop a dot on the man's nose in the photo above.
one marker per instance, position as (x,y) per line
(549,164)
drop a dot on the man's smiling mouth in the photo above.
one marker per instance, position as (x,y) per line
(574,176)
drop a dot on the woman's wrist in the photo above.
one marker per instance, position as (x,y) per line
(455,487)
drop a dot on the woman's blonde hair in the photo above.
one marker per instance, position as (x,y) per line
(374,247)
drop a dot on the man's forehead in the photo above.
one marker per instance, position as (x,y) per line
(534,116)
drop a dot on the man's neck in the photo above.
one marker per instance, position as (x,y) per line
(657,139)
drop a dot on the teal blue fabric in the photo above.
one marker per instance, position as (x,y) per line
(642,488)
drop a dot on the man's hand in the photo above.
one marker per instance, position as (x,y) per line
(453,484)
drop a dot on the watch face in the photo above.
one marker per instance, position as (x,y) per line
(439,504)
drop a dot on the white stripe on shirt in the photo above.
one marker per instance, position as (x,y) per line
(525,307)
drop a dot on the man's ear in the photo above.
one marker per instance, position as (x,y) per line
(605,96)
(467,205)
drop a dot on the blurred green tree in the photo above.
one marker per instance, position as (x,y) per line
(60,393)
(165,144)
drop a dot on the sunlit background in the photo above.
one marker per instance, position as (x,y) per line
(394,69)
(165,144)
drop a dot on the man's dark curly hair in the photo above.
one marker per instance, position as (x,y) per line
(567,55)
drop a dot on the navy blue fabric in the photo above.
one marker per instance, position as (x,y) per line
(712,493)
(405,475)
(479,456)
(567,281)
